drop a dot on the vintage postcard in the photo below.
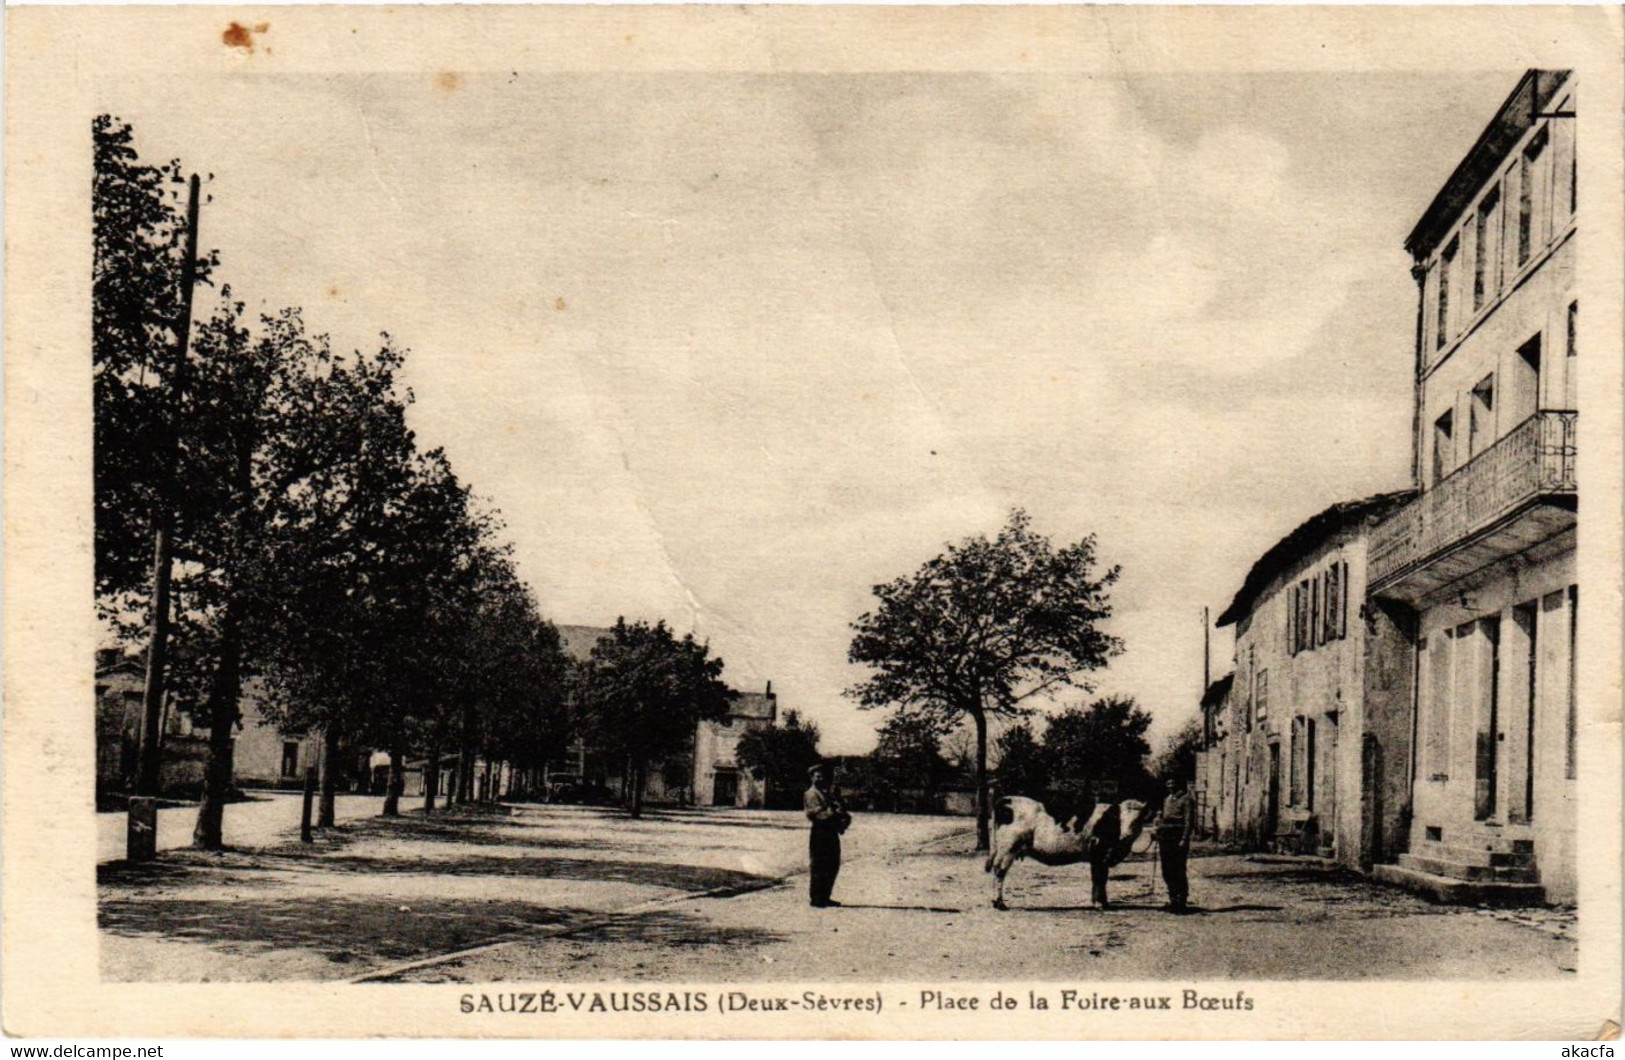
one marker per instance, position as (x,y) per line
(757,522)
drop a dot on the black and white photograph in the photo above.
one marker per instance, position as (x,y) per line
(608,523)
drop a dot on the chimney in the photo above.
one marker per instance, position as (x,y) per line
(769,692)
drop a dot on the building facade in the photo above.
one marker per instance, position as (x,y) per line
(1289,762)
(719,777)
(1477,574)
(262,757)
(710,774)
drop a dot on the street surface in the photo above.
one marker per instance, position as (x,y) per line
(576,894)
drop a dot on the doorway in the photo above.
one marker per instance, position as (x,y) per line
(1370,801)
(725,788)
(1272,806)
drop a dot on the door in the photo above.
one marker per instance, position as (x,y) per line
(1272,807)
(1486,759)
(725,788)
(1370,801)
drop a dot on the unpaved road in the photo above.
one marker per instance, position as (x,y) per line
(571,894)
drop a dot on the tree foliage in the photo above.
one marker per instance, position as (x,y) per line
(643,694)
(1101,744)
(1023,765)
(782,754)
(1178,758)
(319,550)
(983,629)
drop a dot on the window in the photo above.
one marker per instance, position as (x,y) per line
(1315,628)
(1443,296)
(1436,702)
(1306,612)
(1295,763)
(1481,416)
(1261,697)
(1571,366)
(1309,764)
(1485,278)
(1250,698)
(1444,445)
(1343,601)
(1528,193)
(1334,602)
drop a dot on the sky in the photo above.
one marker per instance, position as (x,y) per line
(729,350)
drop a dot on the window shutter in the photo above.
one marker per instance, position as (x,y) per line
(1343,602)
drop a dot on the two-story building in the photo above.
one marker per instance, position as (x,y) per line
(1291,744)
(1478,572)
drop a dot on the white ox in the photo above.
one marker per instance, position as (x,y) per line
(1024,828)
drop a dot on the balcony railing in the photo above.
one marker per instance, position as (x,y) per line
(1536,458)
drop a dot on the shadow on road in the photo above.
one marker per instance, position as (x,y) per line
(344,930)
(643,873)
(908,908)
(673,929)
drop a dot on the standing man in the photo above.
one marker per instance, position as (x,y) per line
(1174,839)
(829,819)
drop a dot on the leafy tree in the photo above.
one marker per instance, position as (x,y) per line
(982,629)
(1178,757)
(783,754)
(138,232)
(908,757)
(1104,742)
(1023,764)
(644,693)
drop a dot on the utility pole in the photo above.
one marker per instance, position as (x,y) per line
(1207,679)
(163,544)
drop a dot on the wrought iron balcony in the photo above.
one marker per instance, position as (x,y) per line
(1476,514)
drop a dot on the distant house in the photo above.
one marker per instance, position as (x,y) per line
(719,779)
(708,774)
(120,684)
(262,757)
(1207,785)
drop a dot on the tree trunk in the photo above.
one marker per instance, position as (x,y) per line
(488,791)
(465,758)
(223,696)
(639,770)
(330,775)
(431,775)
(983,839)
(397,776)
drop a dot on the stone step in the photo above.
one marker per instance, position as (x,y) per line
(1468,892)
(1463,871)
(1474,855)
(1496,844)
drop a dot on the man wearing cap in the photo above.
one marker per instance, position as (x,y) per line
(1174,839)
(829,819)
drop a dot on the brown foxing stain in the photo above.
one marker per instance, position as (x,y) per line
(448,81)
(238,35)
(333,291)
(558,303)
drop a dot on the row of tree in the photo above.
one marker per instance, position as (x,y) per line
(317,549)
